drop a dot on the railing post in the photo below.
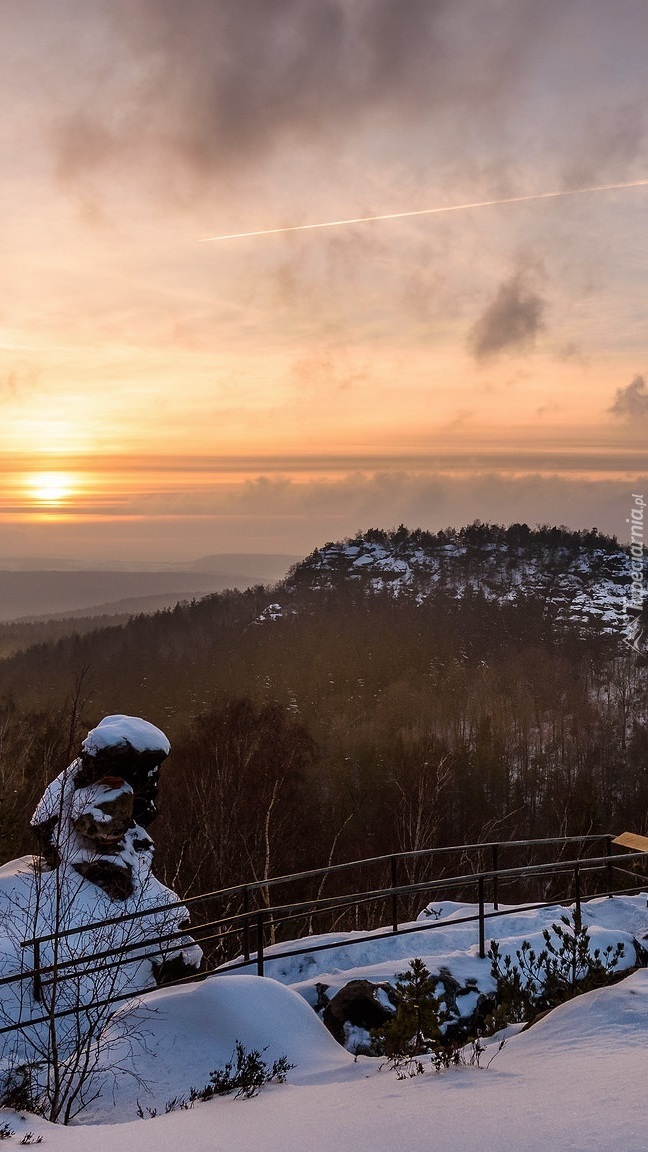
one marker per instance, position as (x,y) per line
(482,925)
(246,923)
(577,897)
(495,852)
(394,899)
(38,987)
(259,920)
(609,866)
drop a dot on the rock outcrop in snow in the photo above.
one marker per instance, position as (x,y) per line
(85,923)
(92,817)
(585,579)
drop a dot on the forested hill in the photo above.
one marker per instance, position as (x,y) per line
(480,590)
(584,578)
(355,721)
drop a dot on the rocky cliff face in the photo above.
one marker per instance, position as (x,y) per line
(583,578)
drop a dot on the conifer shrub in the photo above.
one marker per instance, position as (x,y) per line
(415,1038)
(417,1024)
(245,1074)
(564,968)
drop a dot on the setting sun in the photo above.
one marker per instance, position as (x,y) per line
(50,489)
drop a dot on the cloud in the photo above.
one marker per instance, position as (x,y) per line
(631,402)
(327,370)
(416,97)
(571,352)
(218,83)
(511,321)
(612,139)
(83,142)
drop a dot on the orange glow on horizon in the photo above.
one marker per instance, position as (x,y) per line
(112,488)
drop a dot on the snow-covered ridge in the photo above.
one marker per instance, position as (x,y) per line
(583,578)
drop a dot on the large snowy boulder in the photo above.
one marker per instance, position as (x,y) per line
(357,1008)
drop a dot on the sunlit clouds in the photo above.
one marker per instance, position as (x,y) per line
(197,397)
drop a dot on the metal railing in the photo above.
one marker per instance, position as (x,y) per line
(570,880)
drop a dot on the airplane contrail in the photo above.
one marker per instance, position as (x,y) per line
(429,211)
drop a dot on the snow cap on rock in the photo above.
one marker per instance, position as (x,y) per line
(117,732)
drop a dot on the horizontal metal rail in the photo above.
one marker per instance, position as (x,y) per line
(319,905)
(224,970)
(283,914)
(232,925)
(316,873)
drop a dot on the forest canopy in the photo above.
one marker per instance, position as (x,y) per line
(351,724)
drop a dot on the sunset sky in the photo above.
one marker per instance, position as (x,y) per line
(164,395)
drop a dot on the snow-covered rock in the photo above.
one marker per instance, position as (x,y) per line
(66,913)
(93,814)
(194,1029)
(584,579)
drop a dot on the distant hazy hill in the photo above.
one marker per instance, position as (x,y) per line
(268,568)
(34,592)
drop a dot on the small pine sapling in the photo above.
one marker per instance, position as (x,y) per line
(247,1074)
(417,1025)
(572,968)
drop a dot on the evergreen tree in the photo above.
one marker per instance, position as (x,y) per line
(417,1024)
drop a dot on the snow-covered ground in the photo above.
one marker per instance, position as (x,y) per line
(574,1081)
